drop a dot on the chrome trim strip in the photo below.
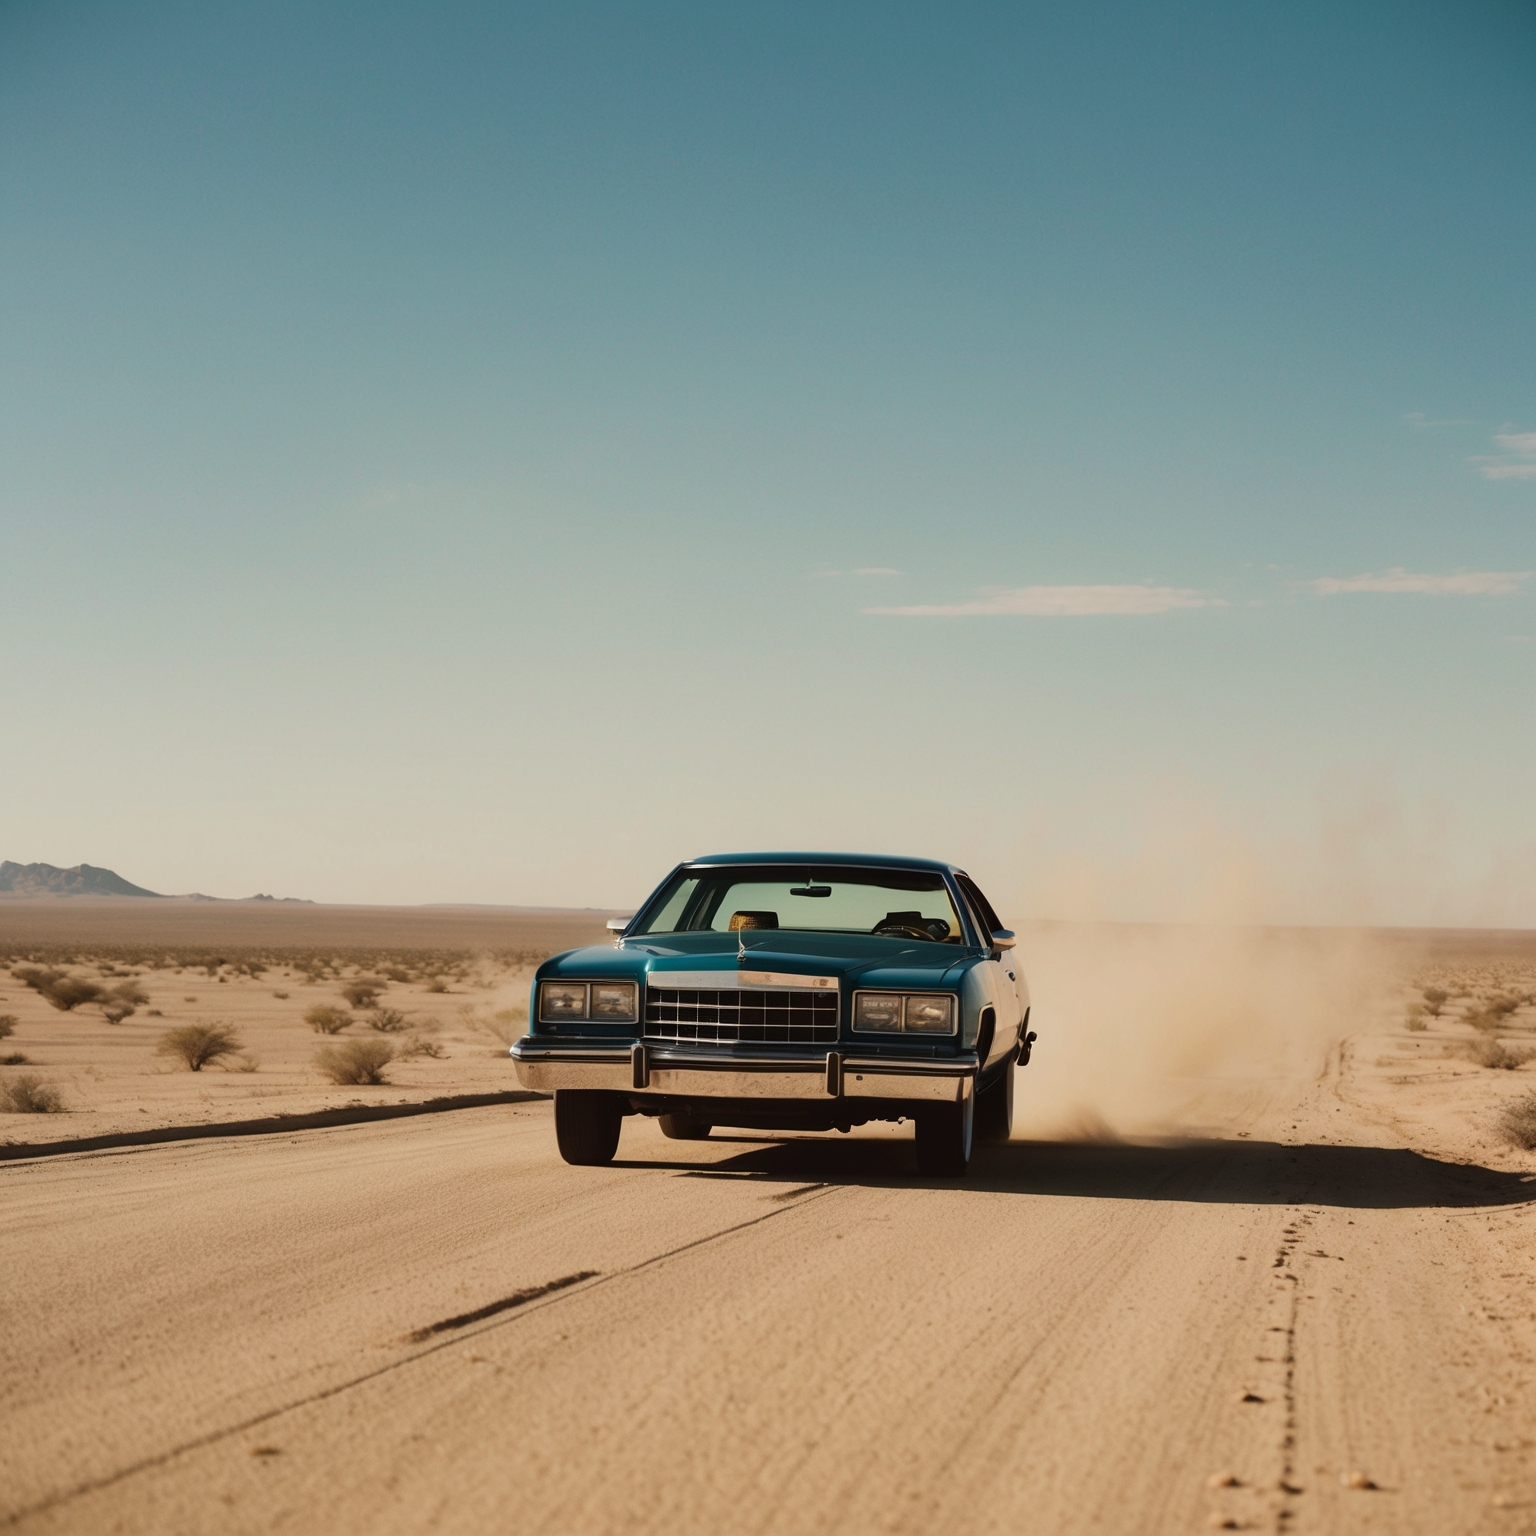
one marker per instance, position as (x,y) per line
(686,1074)
(924,1087)
(727,981)
(538,1054)
(540,1045)
(780,980)
(713,1061)
(761,1082)
(955,1066)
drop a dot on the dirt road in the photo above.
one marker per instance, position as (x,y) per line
(771,1336)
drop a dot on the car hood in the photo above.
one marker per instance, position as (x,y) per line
(859,958)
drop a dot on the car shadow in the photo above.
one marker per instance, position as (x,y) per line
(1206,1171)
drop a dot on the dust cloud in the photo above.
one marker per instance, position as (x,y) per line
(1148,1029)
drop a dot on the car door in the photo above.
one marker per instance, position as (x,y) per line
(1004,968)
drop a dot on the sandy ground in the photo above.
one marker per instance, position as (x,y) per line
(1305,1299)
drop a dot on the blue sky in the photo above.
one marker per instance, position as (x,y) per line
(488,453)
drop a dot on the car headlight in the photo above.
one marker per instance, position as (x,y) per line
(877,1010)
(930,1013)
(607,1002)
(923,1013)
(562,1000)
(614,1001)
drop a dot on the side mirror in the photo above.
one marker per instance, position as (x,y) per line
(619,924)
(1003,938)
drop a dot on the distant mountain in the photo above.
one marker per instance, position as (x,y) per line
(49,880)
(87,880)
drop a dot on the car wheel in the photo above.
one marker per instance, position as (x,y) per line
(944,1138)
(587,1126)
(994,1108)
(684,1128)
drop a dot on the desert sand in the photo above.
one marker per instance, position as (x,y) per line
(459,978)
(1259,1256)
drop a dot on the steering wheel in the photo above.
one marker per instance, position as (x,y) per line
(902,930)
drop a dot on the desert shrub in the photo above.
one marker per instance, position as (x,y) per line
(506,1024)
(1493,1012)
(388,1021)
(68,993)
(198,1044)
(155,1013)
(414,1045)
(397,973)
(1435,998)
(282,997)
(28,1095)
(8,1023)
(15,1059)
(1492,1053)
(1416,1022)
(362,991)
(64,991)
(1518,1121)
(437,984)
(325,1019)
(122,1001)
(356,1061)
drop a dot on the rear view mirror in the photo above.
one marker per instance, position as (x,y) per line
(619,924)
(1003,938)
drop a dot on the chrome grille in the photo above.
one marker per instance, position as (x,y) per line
(729,1015)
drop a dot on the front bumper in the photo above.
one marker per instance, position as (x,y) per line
(673,1072)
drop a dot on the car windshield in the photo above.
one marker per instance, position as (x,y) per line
(901,903)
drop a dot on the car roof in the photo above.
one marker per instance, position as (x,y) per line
(827,860)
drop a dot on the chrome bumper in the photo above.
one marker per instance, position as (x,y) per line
(668,1071)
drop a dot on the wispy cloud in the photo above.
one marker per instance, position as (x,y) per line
(1420,420)
(1061,602)
(1516,459)
(876,570)
(1462,584)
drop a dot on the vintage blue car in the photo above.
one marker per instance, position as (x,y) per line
(787,991)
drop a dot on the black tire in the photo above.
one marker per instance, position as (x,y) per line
(944,1139)
(994,1108)
(587,1126)
(684,1128)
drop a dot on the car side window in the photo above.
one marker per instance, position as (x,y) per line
(983,907)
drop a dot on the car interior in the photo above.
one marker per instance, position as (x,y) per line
(908,924)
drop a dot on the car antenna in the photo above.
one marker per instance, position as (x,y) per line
(741,945)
